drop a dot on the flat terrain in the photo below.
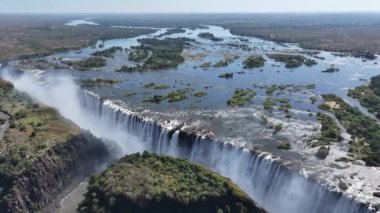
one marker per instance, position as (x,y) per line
(331,32)
(327,31)
(35,35)
(33,129)
(25,35)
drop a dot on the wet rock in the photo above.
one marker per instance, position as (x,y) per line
(322,152)
(342,186)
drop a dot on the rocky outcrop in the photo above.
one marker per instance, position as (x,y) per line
(47,176)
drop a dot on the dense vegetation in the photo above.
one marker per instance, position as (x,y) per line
(199,94)
(108,53)
(331,70)
(365,132)
(33,130)
(326,32)
(275,89)
(284,145)
(89,63)
(269,104)
(277,128)
(209,36)
(166,54)
(172,31)
(206,65)
(155,183)
(310,62)
(224,62)
(254,61)
(138,54)
(162,86)
(292,61)
(241,96)
(174,96)
(330,132)
(98,82)
(226,75)
(364,54)
(369,95)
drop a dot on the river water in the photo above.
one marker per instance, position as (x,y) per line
(212,116)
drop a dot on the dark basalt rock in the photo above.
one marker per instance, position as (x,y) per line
(49,174)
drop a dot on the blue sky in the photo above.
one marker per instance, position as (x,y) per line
(183,6)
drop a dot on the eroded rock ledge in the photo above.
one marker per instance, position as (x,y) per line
(48,175)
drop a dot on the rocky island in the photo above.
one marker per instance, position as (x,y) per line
(156,183)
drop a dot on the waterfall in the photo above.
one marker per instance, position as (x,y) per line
(272,185)
(267,181)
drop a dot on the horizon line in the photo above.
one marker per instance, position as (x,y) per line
(189,13)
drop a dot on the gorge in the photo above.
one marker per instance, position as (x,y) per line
(268,182)
(264,114)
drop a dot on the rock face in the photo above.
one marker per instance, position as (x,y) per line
(48,175)
(150,183)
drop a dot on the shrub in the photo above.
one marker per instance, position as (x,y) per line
(254,62)
(277,128)
(284,145)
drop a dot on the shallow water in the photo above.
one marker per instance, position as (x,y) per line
(211,112)
(220,90)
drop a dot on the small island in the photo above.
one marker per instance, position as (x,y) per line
(331,70)
(165,54)
(99,82)
(225,62)
(292,61)
(87,64)
(174,96)
(254,61)
(226,75)
(209,36)
(107,53)
(172,31)
(148,183)
(240,97)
